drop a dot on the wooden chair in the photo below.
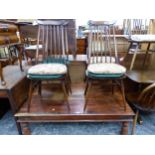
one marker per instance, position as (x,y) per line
(142,101)
(52,60)
(135,28)
(102,57)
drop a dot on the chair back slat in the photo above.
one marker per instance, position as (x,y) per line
(101,42)
(135,26)
(66,42)
(38,40)
(53,35)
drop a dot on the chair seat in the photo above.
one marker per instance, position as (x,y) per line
(105,70)
(46,71)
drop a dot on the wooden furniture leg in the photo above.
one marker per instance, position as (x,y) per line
(20,50)
(65,94)
(25,129)
(68,79)
(88,86)
(134,58)
(30,96)
(1,75)
(146,54)
(18,125)
(40,88)
(134,123)
(123,94)
(125,126)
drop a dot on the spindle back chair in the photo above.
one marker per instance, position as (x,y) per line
(102,56)
(52,59)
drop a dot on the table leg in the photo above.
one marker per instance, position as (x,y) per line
(146,54)
(134,57)
(25,128)
(1,75)
(125,126)
(19,128)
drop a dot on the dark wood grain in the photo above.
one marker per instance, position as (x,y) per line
(141,76)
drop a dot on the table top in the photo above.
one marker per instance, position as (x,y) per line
(12,75)
(141,76)
(142,38)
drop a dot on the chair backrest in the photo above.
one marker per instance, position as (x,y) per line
(102,47)
(135,26)
(53,36)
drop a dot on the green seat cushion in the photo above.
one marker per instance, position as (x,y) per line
(100,76)
(56,60)
(45,77)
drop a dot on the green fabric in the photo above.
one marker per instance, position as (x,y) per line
(45,77)
(92,75)
(56,60)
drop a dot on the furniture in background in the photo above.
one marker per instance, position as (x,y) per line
(143,101)
(141,39)
(81,45)
(10,50)
(138,37)
(15,91)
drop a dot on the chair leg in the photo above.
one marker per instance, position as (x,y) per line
(67,88)
(65,94)
(30,96)
(40,88)
(134,123)
(69,82)
(112,87)
(123,94)
(88,86)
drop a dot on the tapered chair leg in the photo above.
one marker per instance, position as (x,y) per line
(40,88)
(123,93)
(69,82)
(112,87)
(134,123)
(88,86)
(65,94)
(30,95)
